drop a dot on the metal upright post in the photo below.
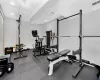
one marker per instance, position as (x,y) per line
(20,50)
(80,37)
(19,32)
(19,35)
(57,35)
(81,66)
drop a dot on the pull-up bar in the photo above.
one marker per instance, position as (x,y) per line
(80,33)
(80,39)
(72,36)
(91,36)
(68,17)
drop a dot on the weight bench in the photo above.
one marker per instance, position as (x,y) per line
(55,58)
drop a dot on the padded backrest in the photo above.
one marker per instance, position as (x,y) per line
(76,52)
(64,52)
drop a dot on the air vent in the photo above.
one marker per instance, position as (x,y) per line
(95,3)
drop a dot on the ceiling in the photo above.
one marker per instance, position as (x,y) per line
(47,13)
(42,11)
(27,8)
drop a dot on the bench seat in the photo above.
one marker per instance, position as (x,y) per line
(56,56)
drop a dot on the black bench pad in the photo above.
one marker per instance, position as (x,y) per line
(53,57)
(64,52)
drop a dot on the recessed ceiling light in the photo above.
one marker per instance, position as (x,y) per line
(52,12)
(46,20)
(12,3)
(12,13)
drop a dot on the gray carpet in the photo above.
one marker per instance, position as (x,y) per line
(30,68)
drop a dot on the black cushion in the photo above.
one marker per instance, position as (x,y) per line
(77,52)
(53,57)
(64,52)
(71,57)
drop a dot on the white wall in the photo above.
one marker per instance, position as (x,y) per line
(26,29)
(26,33)
(91,46)
(1,39)
(70,7)
(10,33)
(69,27)
(52,25)
(1,34)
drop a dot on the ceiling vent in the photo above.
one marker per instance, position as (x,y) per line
(95,3)
(60,17)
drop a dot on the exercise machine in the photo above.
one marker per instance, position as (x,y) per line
(21,52)
(38,44)
(55,58)
(49,38)
(81,61)
(19,46)
(35,34)
(80,42)
(6,66)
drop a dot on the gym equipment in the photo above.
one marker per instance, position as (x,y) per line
(5,65)
(39,47)
(82,62)
(80,42)
(35,34)
(19,46)
(8,50)
(48,37)
(38,44)
(98,68)
(55,58)
(50,48)
(20,52)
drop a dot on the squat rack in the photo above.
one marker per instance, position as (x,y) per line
(80,39)
(80,32)
(81,36)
